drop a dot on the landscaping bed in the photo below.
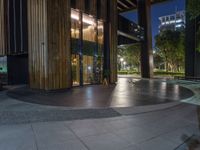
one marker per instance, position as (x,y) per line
(156,73)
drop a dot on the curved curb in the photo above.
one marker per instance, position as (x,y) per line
(122,110)
(145,109)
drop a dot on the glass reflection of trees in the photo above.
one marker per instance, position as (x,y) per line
(99,64)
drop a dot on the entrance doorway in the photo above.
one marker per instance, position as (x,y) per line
(87,49)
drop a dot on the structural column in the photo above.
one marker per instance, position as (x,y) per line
(2,28)
(113,40)
(192,57)
(49,44)
(144,16)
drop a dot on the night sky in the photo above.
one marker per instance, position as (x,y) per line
(161,9)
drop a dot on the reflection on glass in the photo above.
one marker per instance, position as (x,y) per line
(89,46)
(75,31)
(100,38)
(99,63)
(88,75)
(75,35)
(75,70)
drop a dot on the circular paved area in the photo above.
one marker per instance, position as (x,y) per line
(127,93)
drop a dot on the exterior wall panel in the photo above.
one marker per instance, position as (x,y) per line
(80,5)
(102,9)
(2,28)
(59,45)
(93,7)
(38,46)
(16,13)
(49,44)
(113,40)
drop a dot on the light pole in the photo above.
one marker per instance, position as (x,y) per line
(124,65)
(121,60)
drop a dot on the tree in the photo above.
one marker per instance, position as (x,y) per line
(193,9)
(171,48)
(131,54)
(158,60)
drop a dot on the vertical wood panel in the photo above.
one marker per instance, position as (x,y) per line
(49,44)
(59,37)
(113,40)
(2,28)
(93,7)
(80,4)
(16,24)
(37,28)
(102,10)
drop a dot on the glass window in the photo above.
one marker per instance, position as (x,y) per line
(99,62)
(75,31)
(100,38)
(89,48)
(75,39)
(75,69)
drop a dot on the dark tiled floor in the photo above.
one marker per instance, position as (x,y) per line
(175,128)
(128,92)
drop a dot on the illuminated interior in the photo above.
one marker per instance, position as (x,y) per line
(87,48)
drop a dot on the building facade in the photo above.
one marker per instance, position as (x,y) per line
(174,22)
(57,44)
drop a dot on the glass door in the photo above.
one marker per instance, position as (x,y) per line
(75,42)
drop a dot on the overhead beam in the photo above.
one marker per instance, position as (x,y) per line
(121,3)
(130,2)
(128,36)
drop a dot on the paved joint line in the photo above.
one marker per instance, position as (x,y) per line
(77,137)
(159,110)
(34,134)
(188,139)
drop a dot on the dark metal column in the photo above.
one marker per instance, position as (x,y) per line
(81,48)
(190,46)
(192,57)
(106,52)
(144,16)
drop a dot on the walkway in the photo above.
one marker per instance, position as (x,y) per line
(171,129)
(26,126)
(127,93)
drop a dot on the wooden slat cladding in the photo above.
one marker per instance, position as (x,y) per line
(102,9)
(113,40)
(17,26)
(49,48)
(92,7)
(59,36)
(2,29)
(38,46)
(80,4)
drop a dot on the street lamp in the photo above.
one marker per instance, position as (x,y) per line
(124,64)
(121,62)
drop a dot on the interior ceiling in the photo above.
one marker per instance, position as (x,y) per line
(127,5)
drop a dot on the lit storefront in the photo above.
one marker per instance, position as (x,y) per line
(87,48)
(53,45)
